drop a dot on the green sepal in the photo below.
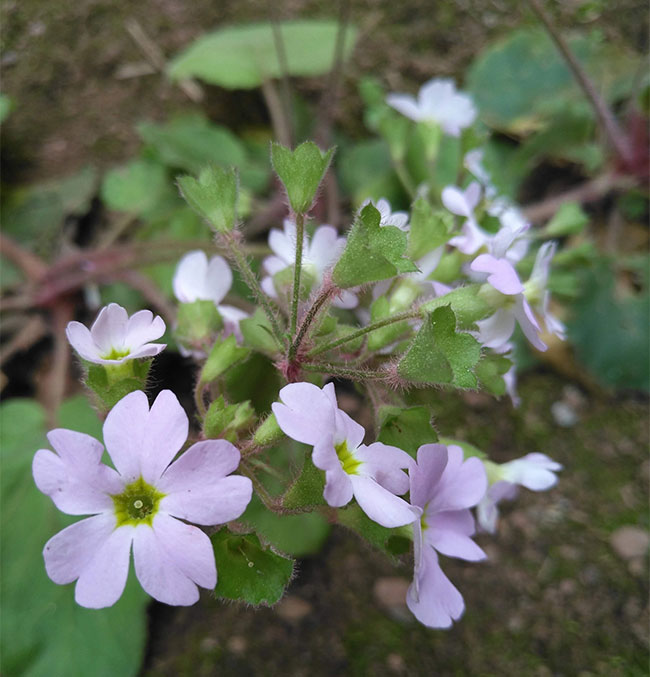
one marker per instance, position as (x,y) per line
(490,371)
(379,310)
(197,323)
(407,429)
(226,420)
(466,302)
(301,172)
(429,228)
(249,571)
(258,334)
(439,354)
(372,252)
(110,383)
(224,354)
(213,195)
(296,535)
(390,541)
(469,450)
(308,488)
(269,432)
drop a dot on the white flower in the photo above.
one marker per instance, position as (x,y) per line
(438,101)
(318,255)
(197,279)
(115,337)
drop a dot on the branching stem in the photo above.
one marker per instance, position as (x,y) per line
(300,236)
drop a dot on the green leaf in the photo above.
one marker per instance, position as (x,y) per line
(379,310)
(42,630)
(197,322)
(569,219)
(255,379)
(248,571)
(243,57)
(366,171)
(301,172)
(406,429)
(389,541)
(213,196)
(137,188)
(269,432)
(521,81)
(296,535)
(257,333)
(429,228)
(490,371)
(372,252)
(440,354)
(224,354)
(307,490)
(226,420)
(466,302)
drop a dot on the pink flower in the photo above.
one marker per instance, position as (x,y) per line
(372,474)
(141,503)
(115,337)
(443,488)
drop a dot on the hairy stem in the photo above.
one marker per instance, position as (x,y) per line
(364,330)
(343,372)
(300,236)
(325,295)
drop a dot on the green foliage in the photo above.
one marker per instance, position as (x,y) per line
(43,631)
(269,432)
(301,172)
(213,196)
(223,356)
(247,570)
(372,252)
(611,332)
(407,429)
(307,490)
(522,81)
(383,336)
(390,541)
(490,371)
(439,354)
(227,420)
(296,535)
(138,187)
(243,57)
(197,321)
(569,219)
(258,334)
(466,302)
(429,228)
(5,107)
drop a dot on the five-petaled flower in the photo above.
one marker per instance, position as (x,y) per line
(438,101)
(443,488)
(373,474)
(139,504)
(114,337)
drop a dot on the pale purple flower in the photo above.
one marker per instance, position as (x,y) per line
(372,474)
(319,254)
(463,203)
(539,295)
(143,503)
(443,488)
(387,216)
(534,471)
(197,279)
(498,328)
(437,101)
(114,337)
(473,162)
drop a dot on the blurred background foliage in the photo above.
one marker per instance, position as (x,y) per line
(104,103)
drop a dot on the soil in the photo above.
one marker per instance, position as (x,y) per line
(557,595)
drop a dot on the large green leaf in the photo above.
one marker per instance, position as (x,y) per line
(242,57)
(43,631)
(407,429)
(522,81)
(138,187)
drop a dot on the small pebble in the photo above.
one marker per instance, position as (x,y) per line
(630,542)
(293,608)
(564,414)
(390,591)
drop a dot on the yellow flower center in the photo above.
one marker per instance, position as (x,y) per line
(137,504)
(348,462)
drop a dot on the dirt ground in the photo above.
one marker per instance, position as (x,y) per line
(565,588)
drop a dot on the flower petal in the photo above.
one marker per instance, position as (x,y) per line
(528,323)
(534,471)
(384,464)
(141,328)
(437,602)
(406,105)
(218,279)
(449,533)
(380,504)
(190,276)
(502,275)
(68,552)
(109,327)
(338,487)
(103,578)
(305,414)
(432,460)
(81,340)
(462,484)
(496,330)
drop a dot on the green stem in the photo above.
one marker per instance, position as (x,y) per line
(364,330)
(343,372)
(300,235)
(198,400)
(404,178)
(311,315)
(239,257)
